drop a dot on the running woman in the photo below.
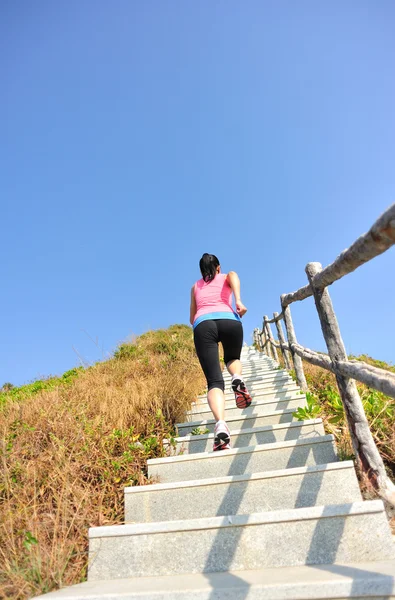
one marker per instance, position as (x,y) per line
(214,320)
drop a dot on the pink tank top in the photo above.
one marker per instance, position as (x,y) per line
(213,299)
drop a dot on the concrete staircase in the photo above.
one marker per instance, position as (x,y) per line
(277,517)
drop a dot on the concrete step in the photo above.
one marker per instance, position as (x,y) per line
(249,371)
(357,581)
(257,373)
(262,376)
(263,381)
(258,376)
(271,390)
(256,356)
(250,374)
(263,403)
(333,483)
(254,419)
(258,389)
(266,434)
(325,534)
(254,363)
(239,461)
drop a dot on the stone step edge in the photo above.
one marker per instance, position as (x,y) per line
(246,450)
(274,413)
(294,395)
(261,382)
(258,363)
(274,383)
(262,379)
(259,378)
(263,391)
(274,427)
(250,382)
(264,376)
(260,371)
(276,516)
(154,487)
(306,582)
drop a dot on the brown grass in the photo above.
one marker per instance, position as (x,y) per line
(67,454)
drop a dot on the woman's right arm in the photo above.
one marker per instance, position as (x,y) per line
(234,282)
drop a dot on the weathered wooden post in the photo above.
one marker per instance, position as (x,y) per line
(365,448)
(257,339)
(271,338)
(281,339)
(266,344)
(297,361)
(262,341)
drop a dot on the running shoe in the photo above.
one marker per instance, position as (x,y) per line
(221,436)
(243,398)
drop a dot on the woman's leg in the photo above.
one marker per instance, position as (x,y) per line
(206,344)
(231,336)
(216,401)
(234,367)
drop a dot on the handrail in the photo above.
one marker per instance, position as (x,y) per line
(379,238)
(276,319)
(379,379)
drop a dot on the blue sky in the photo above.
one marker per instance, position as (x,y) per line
(138,135)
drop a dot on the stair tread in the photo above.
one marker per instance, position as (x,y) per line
(275,427)
(138,489)
(236,417)
(274,516)
(319,582)
(247,449)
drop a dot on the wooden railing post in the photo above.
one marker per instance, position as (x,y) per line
(297,361)
(270,338)
(266,343)
(364,446)
(262,339)
(257,339)
(281,339)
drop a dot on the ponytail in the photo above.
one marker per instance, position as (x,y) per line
(208,266)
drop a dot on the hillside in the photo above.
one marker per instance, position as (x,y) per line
(70,445)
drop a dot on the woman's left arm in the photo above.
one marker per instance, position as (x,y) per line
(192,310)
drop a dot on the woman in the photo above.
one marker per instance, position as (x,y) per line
(214,321)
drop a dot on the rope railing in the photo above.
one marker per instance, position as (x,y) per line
(377,240)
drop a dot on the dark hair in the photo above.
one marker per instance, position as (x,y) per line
(208,266)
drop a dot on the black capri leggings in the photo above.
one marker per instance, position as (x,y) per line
(207,335)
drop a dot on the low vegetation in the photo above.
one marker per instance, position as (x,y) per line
(70,445)
(323,401)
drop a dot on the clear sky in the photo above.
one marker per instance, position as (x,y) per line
(137,135)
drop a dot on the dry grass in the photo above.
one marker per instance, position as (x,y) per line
(67,454)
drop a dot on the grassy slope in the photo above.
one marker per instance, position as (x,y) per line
(324,402)
(68,450)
